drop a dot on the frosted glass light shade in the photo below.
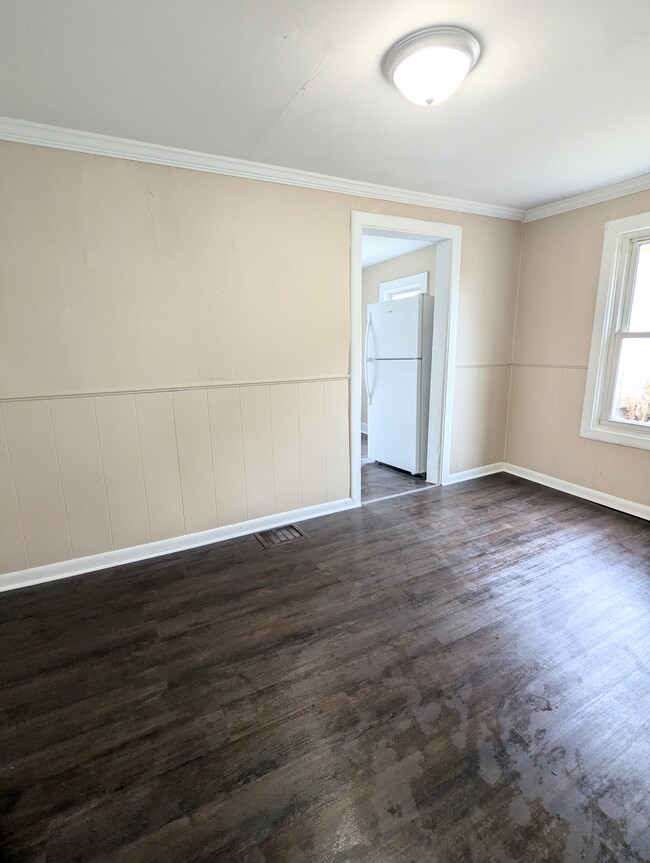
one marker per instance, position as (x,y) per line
(429,65)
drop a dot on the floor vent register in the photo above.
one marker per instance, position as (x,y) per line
(279,535)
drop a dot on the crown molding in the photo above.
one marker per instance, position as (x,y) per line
(597,196)
(42,135)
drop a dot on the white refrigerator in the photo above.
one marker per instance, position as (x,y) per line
(399,335)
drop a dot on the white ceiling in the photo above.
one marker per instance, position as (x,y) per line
(375,250)
(558,104)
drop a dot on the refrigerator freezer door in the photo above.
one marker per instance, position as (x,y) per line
(394,329)
(394,419)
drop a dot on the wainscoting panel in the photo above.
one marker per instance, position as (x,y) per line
(82,477)
(311,406)
(13,552)
(337,451)
(224,409)
(119,438)
(35,467)
(285,429)
(544,436)
(160,464)
(479,416)
(194,455)
(88,474)
(258,450)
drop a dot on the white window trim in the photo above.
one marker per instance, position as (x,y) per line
(418,282)
(611,303)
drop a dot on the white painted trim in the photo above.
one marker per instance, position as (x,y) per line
(474,473)
(259,382)
(59,138)
(426,487)
(613,296)
(630,507)
(121,556)
(448,242)
(355,390)
(586,199)
(445,333)
(364,428)
(416,282)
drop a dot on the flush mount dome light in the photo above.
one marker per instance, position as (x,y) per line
(429,65)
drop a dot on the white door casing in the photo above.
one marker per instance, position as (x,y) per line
(447,283)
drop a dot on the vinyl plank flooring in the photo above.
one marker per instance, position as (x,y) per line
(461,675)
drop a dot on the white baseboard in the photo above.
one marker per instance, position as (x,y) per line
(94,562)
(364,428)
(473,473)
(80,565)
(630,507)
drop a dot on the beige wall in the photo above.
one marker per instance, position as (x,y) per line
(420,261)
(175,349)
(557,297)
(486,317)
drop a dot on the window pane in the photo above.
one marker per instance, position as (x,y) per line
(632,391)
(402,295)
(640,317)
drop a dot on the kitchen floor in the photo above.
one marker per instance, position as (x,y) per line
(379,480)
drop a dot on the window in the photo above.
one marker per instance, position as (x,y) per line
(617,397)
(400,289)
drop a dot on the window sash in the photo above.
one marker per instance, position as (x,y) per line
(607,407)
(623,241)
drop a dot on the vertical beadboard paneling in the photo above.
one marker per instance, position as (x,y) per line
(286,447)
(337,440)
(483,402)
(13,551)
(312,442)
(77,444)
(82,475)
(120,446)
(155,413)
(258,450)
(33,455)
(195,459)
(224,410)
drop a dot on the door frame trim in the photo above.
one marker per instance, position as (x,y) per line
(445,324)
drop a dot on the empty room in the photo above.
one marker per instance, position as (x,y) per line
(324,431)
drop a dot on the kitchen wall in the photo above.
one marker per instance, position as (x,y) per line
(420,261)
(175,349)
(557,296)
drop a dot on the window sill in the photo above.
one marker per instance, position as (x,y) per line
(620,434)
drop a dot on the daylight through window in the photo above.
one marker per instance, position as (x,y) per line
(617,398)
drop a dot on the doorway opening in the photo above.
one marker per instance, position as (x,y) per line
(394,261)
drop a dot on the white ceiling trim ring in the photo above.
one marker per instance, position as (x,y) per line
(43,135)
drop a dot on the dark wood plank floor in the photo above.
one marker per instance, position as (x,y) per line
(457,675)
(380,480)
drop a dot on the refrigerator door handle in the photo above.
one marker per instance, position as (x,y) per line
(368,358)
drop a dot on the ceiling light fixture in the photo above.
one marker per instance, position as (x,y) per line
(429,65)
